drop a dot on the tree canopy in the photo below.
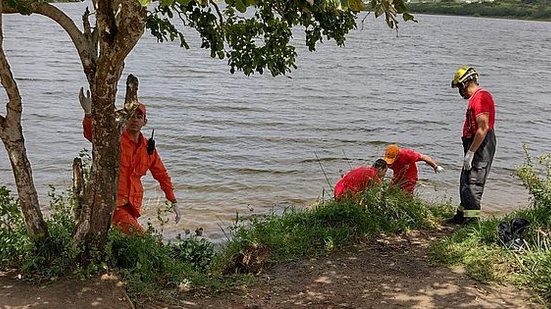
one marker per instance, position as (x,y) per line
(255,35)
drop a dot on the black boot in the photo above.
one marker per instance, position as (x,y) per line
(470,221)
(458,218)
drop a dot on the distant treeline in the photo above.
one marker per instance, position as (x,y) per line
(524,9)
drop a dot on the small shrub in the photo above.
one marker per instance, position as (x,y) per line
(13,235)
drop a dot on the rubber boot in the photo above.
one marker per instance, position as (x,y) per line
(458,218)
(467,221)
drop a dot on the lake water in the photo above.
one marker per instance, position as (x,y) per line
(250,144)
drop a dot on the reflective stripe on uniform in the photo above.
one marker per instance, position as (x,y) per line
(468,213)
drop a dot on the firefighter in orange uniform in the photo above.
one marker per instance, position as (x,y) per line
(135,161)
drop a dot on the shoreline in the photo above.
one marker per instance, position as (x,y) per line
(463,10)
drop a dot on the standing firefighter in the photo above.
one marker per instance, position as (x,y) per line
(479,144)
(138,155)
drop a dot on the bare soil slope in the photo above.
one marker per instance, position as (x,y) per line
(393,272)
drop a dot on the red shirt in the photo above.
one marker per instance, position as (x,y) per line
(134,164)
(405,166)
(356,180)
(479,103)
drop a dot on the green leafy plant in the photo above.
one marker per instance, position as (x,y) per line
(13,239)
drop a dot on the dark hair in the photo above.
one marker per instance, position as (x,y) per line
(380,163)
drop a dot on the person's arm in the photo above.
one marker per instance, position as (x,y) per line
(87,127)
(482,108)
(437,168)
(160,174)
(428,160)
(86,103)
(483,126)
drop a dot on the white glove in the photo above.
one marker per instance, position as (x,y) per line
(176,210)
(438,169)
(468,161)
(85,101)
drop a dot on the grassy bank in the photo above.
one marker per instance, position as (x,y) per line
(524,261)
(151,267)
(191,264)
(530,10)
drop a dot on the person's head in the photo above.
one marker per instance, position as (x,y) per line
(391,154)
(465,79)
(137,120)
(381,167)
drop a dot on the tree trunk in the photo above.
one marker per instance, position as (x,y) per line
(101,189)
(78,187)
(119,26)
(94,222)
(11,134)
(28,197)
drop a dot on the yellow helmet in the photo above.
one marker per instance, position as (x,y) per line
(465,73)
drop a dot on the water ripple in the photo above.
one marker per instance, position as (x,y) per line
(230,141)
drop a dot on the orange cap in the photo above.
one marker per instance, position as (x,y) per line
(391,153)
(141,108)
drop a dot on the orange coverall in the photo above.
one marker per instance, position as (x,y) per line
(134,164)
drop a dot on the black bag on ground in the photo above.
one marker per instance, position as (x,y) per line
(510,233)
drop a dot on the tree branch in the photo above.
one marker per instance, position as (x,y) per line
(132,21)
(13,107)
(130,101)
(217,11)
(52,12)
(91,40)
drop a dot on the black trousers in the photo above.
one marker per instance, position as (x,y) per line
(471,183)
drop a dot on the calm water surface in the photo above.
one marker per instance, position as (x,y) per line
(249,144)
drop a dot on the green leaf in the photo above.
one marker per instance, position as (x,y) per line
(334,4)
(183,2)
(357,5)
(240,6)
(408,17)
(164,3)
(144,2)
(379,11)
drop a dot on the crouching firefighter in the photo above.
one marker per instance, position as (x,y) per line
(479,144)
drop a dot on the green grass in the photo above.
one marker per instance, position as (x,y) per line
(485,258)
(152,268)
(332,225)
(498,9)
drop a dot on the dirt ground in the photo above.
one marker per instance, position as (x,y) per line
(393,272)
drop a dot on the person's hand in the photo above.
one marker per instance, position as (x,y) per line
(176,210)
(85,101)
(468,161)
(438,169)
